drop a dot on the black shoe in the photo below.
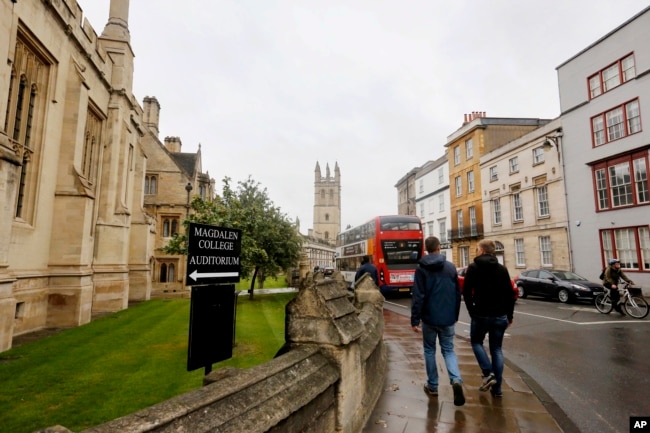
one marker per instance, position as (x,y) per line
(619,310)
(459,397)
(430,392)
(488,381)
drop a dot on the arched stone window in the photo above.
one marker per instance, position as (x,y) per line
(171,272)
(163,272)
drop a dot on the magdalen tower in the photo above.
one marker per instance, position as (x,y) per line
(327,203)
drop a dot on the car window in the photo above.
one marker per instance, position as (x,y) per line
(545,274)
(529,274)
(573,276)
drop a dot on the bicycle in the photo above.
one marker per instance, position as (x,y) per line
(635,305)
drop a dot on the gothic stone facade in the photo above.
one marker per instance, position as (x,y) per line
(172,179)
(74,238)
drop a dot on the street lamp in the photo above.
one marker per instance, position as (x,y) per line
(551,141)
(188,188)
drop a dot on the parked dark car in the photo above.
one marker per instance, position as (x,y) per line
(328,271)
(461,281)
(557,284)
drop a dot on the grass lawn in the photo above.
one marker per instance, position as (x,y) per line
(123,362)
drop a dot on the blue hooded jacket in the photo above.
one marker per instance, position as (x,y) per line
(436,293)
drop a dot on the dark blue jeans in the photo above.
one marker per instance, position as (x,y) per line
(495,328)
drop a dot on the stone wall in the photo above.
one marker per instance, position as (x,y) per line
(326,378)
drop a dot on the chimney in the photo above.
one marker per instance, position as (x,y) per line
(151,115)
(173,144)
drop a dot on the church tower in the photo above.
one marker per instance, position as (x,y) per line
(327,203)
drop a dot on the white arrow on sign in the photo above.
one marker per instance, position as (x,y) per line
(196,275)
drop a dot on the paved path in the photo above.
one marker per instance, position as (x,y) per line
(403,406)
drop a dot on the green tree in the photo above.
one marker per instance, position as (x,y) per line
(270,242)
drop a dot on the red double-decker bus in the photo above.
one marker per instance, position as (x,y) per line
(395,245)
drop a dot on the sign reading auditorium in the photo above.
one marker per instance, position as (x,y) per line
(213,255)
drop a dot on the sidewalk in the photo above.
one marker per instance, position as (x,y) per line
(403,406)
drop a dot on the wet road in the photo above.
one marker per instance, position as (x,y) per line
(596,367)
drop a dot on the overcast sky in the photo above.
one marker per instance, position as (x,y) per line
(270,87)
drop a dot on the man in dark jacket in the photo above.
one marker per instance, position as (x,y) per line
(367,268)
(436,303)
(490,303)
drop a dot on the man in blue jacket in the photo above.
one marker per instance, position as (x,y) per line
(367,268)
(436,303)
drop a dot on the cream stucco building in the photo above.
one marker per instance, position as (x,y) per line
(524,201)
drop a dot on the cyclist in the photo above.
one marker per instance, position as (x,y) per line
(613,274)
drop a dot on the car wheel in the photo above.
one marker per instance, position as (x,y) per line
(522,292)
(563,296)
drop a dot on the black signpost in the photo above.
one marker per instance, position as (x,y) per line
(212,260)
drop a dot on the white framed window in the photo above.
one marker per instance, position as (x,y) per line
(545,252)
(422,215)
(459,221)
(431,206)
(520,253)
(496,211)
(543,210)
(513,163)
(538,155)
(456,155)
(464,256)
(441,175)
(469,149)
(421,184)
(441,203)
(598,130)
(518,208)
(472,221)
(494,174)
(430,228)
(628,68)
(442,227)
(459,186)
(623,244)
(612,76)
(594,86)
(470,181)
(622,181)
(616,123)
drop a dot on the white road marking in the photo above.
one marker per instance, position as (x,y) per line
(582,323)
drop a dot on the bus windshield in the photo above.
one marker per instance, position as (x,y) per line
(401,252)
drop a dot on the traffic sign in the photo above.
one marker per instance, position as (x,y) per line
(213,255)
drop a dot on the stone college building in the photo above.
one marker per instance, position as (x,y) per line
(88,192)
